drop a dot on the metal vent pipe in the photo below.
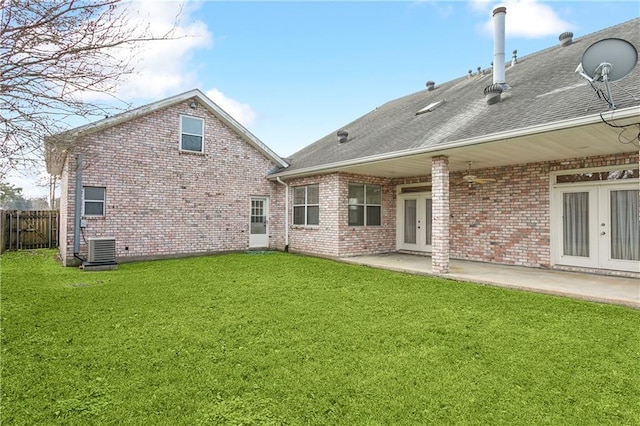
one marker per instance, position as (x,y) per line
(498,44)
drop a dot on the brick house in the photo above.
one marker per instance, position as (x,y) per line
(528,165)
(174,178)
(540,172)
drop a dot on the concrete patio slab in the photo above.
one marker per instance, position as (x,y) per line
(598,288)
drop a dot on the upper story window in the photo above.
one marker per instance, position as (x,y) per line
(191,134)
(365,205)
(306,205)
(94,197)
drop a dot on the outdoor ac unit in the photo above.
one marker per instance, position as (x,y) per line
(102,250)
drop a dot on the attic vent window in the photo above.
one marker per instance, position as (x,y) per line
(432,106)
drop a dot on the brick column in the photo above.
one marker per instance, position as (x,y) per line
(440,205)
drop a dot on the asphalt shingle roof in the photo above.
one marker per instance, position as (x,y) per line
(544,89)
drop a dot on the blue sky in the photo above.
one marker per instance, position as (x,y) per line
(294,71)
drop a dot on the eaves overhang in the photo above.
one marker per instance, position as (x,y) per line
(621,117)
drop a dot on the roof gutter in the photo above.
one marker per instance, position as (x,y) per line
(621,114)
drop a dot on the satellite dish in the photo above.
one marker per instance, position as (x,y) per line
(608,60)
(611,57)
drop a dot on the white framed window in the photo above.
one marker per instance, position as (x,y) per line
(93,201)
(191,134)
(365,205)
(306,205)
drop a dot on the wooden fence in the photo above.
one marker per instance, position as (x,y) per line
(29,229)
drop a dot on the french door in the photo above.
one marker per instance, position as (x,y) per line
(599,226)
(258,222)
(414,222)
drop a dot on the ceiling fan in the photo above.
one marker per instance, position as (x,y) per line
(471,179)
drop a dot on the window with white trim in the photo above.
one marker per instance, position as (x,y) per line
(191,134)
(306,205)
(93,201)
(365,205)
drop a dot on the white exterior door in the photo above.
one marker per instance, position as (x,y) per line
(259,222)
(414,222)
(619,228)
(597,226)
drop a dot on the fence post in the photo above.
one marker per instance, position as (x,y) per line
(10,229)
(49,229)
(3,240)
(17,229)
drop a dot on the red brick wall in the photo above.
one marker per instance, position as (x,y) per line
(508,221)
(333,236)
(356,240)
(322,239)
(163,202)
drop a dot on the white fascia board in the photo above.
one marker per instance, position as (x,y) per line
(627,113)
(96,126)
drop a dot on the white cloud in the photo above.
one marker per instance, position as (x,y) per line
(163,67)
(481,5)
(525,18)
(243,113)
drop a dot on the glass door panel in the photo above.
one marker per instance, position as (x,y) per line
(625,225)
(258,220)
(575,224)
(410,221)
(414,222)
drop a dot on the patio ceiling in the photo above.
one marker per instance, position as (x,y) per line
(576,142)
(587,141)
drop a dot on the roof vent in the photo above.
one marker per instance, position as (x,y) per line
(470,74)
(430,107)
(566,38)
(480,71)
(343,136)
(514,58)
(431,85)
(493,93)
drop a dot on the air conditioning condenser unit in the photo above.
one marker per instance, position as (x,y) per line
(102,253)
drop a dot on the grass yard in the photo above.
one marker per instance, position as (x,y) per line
(282,339)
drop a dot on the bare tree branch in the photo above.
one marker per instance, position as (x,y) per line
(54,55)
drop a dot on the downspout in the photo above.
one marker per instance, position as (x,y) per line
(286,214)
(78,210)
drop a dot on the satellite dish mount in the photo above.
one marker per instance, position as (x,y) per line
(607,61)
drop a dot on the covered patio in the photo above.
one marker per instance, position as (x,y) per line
(599,288)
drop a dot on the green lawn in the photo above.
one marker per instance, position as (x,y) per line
(282,339)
